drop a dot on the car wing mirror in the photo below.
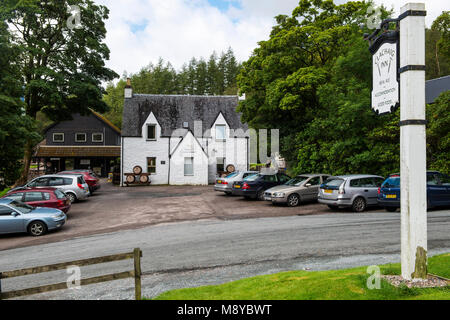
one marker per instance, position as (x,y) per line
(308,185)
(14,214)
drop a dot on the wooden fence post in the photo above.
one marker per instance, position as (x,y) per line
(137,273)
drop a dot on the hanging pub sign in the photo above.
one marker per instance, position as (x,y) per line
(385,85)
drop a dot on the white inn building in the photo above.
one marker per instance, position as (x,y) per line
(182,140)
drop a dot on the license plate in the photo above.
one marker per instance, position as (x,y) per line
(237,186)
(219,181)
(267,198)
(328,191)
(391,196)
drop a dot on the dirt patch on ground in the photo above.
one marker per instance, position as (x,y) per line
(430,282)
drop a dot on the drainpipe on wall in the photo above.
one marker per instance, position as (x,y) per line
(246,157)
(170,157)
(121,162)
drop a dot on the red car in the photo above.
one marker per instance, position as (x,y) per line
(90,178)
(42,197)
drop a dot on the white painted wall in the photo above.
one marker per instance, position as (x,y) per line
(189,147)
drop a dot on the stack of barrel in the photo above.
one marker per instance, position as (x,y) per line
(137,177)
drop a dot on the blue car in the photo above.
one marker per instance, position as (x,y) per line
(17,217)
(438,191)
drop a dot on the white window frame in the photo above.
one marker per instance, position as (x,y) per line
(60,133)
(224,132)
(97,141)
(85,137)
(155,166)
(188,174)
(151,125)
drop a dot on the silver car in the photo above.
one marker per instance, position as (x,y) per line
(355,191)
(301,188)
(16,216)
(226,184)
(74,186)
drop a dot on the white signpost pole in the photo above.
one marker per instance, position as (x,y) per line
(413,142)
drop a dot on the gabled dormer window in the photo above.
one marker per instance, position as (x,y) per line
(58,137)
(151,132)
(220,132)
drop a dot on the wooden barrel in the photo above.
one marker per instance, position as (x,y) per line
(137,170)
(144,179)
(130,179)
(231,168)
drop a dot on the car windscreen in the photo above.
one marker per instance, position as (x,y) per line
(333,183)
(21,207)
(253,177)
(296,181)
(392,182)
(59,194)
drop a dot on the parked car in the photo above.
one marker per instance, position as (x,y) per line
(226,184)
(254,186)
(42,197)
(89,176)
(438,191)
(73,186)
(357,191)
(304,187)
(17,217)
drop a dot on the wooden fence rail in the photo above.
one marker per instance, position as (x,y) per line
(136,274)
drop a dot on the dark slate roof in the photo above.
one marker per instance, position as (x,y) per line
(434,87)
(172,110)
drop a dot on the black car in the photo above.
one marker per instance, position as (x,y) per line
(255,186)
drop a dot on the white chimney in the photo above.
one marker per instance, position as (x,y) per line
(128,89)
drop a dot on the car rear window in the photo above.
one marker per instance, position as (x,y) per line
(80,180)
(333,182)
(392,182)
(231,175)
(253,178)
(59,194)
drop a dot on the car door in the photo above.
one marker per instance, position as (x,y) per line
(34,199)
(445,183)
(435,191)
(312,188)
(269,181)
(10,220)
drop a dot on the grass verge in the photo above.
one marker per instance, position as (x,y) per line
(347,284)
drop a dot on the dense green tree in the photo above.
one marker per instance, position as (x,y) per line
(437,47)
(15,126)
(62,63)
(438,133)
(282,77)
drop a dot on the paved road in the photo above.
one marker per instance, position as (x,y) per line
(232,249)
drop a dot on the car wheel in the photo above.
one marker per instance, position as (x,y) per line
(72,197)
(391,209)
(293,200)
(260,195)
(359,205)
(37,228)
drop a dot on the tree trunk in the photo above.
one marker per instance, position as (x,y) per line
(437,60)
(26,165)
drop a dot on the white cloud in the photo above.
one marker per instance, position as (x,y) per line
(141,31)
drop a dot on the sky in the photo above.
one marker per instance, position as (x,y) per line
(142,31)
